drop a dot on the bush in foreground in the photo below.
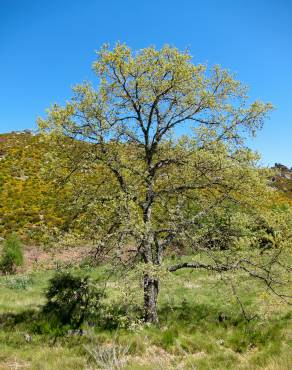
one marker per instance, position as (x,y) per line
(71,299)
(12,255)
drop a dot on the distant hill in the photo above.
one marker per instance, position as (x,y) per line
(28,201)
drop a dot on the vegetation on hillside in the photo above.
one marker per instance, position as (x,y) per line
(30,202)
(26,200)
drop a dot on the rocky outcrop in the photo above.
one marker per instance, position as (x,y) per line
(283,179)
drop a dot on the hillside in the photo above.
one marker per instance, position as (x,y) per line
(28,201)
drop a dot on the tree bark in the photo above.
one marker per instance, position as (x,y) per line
(151,288)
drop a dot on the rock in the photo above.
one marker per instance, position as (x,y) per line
(27,338)
(222,317)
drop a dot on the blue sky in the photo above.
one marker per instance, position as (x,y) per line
(48,46)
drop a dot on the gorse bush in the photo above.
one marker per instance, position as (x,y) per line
(71,299)
(12,255)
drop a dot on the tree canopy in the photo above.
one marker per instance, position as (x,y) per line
(157,159)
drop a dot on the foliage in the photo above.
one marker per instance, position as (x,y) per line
(12,254)
(71,299)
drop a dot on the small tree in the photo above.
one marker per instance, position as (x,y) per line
(71,299)
(12,254)
(137,179)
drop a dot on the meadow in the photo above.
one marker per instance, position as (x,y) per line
(202,326)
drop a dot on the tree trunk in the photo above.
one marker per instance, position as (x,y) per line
(151,288)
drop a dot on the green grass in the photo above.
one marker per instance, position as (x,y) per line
(190,335)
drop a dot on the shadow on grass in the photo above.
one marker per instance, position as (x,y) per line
(193,313)
(207,320)
(31,321)
(9,320)
(191,325)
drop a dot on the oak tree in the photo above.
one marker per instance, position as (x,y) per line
(158,150)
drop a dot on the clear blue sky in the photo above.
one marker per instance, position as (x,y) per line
(47,46)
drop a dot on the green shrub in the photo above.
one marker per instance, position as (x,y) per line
(12,255)
(71,299)
(118,315)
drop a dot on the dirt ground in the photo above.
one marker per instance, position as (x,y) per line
(36,257)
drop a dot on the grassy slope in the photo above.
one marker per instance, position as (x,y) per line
(190,334)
